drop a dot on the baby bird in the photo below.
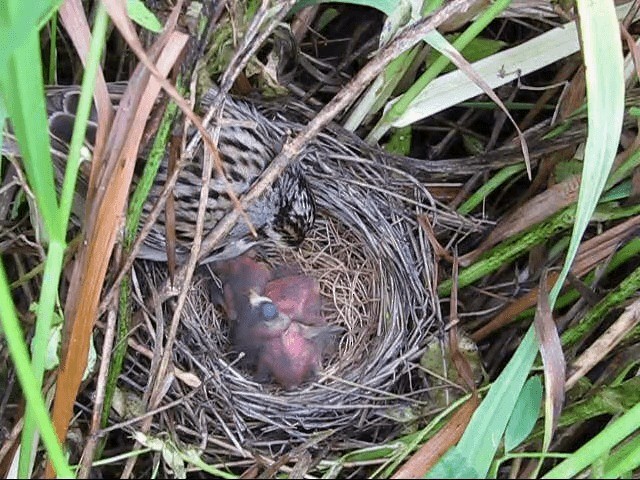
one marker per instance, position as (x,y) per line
(298,297)
(292,357)
(239,276)
(277,322)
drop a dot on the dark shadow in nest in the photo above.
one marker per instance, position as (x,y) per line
(375,271)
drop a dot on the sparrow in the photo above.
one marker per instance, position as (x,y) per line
(247,142)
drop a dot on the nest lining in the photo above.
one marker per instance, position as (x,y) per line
(374,267)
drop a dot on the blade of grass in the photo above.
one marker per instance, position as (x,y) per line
(98,40)
(30,388)
(606,103)
(378,93)
(495,182)
(28,115)
(3,119)
(614,299)
(623,462)
(24,96)
(24,99)
(15,32)
(507,251)
(131,229)
(448,90)
(52,78)
(602,51)
(598,445)
(481,439)
(399,107)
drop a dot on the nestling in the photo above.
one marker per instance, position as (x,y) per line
(287,351)
(276,322)
(239,277)
(298,297)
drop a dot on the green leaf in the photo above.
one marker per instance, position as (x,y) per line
(624,460)
(52,359)
(3,119)
(92,358)
(602,51)
(453,464)
(524,415)
(476,49)
(22,88)
(599,445)
(329,15)
(400,141)
(634,112)
(15,31)
(12,332)
(481,439)
(405,12)
(139,13)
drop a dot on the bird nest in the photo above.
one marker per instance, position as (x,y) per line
(375,271)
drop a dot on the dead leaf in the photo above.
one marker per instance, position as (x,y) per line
(101,228)
(552,360)
(604,344)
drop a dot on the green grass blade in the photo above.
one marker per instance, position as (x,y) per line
(134,213)
(602,51)
(44,312)
(493,184)
(482,437)
(624,461)
(30,388)
(525,414)
(23,93)
(17,23)
(598,445)
(401,106)
(52,77)
(606,102)
(98,40)
(3,119)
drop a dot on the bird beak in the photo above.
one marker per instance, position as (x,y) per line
(256,299)
(280,323)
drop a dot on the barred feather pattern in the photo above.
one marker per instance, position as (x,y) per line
(283,214)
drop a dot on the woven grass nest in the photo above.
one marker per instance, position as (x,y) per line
(375,271)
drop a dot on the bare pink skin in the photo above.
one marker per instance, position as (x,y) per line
(286,271)
(281,349)
(290,358)
(288,347)
(298,297)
